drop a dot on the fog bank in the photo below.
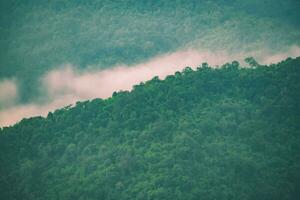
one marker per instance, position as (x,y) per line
(66,85)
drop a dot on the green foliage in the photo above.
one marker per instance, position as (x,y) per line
(214,133)
(37,36)
(251,61)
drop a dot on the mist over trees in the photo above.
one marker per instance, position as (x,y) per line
(38,36)
(230,132)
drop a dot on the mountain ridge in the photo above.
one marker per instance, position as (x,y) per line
(216,133)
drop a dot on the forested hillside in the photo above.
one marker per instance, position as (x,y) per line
(37,36)
(229,132)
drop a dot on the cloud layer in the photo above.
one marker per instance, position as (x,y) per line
(91,84)
(65,85)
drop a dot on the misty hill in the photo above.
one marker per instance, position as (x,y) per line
(214,133)
(37,36)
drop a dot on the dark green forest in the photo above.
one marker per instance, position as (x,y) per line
(227,132)
(38,36)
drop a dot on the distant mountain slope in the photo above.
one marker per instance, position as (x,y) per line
(37,36)
(226,133)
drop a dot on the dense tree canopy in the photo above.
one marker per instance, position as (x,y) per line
(229,132)
(37,36)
